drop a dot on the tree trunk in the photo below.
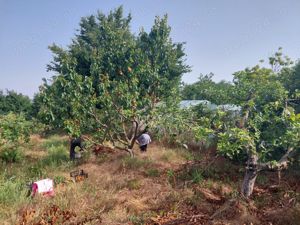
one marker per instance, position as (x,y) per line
(250,176)
(130,152)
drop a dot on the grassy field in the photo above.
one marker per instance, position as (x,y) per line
(163,186)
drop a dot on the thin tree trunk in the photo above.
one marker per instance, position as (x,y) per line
(130,147)
(130,152)
(250,176)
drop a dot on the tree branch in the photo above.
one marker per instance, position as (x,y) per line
(281,164)
(97,120)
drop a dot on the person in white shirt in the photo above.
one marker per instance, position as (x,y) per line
(143,141)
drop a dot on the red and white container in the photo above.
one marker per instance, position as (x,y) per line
(44,187)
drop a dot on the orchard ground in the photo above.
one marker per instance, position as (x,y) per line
(163,186)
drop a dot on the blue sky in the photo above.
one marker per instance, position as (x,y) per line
(222,36)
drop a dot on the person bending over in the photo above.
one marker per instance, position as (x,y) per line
(143,140)
(75,142)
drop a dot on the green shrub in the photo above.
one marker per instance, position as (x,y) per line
(11,155)
(14,129)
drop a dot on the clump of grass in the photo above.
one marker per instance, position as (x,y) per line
(59,179)
(36,171)
(211,172)
(172,201)
(13,192)
(135,163)
(152,172)
(260,201)
(195,200)
(168,156)
(186,154)
(85,156)
(171,176)
(136,220)
(195,175)
(176,155)
(141,219)
(57,155)
(133,184)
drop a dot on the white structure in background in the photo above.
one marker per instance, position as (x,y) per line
(227,107)
(189,103)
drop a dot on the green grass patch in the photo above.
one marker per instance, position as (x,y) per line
(13,193)
(152,172)
(55,141)
(57,158)
(194,175)
(59,180)
(57,155)
(133,184)
(136,220)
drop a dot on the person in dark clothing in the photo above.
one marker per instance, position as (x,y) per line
(75,142)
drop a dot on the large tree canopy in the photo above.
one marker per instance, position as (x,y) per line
(109,80)
(105,45)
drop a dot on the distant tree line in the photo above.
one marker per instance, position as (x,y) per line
(12,101)
(223,92)
(17,103)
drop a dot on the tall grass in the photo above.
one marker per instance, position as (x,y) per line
(56,159)
(13,181)
(54,141)
(57,155)
(13,192)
